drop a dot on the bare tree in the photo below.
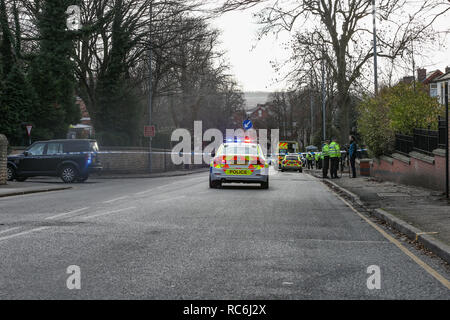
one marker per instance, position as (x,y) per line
(339,32)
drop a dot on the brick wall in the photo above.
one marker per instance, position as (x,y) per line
(135,160)
(3,154)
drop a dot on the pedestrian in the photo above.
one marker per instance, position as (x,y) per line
(352,154)
(325,159)
(335,155)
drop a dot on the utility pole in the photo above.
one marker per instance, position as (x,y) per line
(150,88)
(324,124)
(446,143)
(312,110)
(375,47)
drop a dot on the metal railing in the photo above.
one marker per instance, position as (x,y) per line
(425,140)
(404,144)
(442,133)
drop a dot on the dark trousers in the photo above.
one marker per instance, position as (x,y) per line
(309,163)
(319,164)
(325,165)
(353,165)
(334,166)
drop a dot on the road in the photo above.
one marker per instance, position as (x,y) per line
(174,238)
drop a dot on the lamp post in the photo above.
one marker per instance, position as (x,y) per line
(446,143)
(150,88)
(324,125)
(375,47)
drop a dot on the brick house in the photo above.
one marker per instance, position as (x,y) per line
(260,112)
(425,78)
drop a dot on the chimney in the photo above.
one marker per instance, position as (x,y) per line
(421,75)
(447,69)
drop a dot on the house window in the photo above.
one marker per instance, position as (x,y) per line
(433,90)
(260,113)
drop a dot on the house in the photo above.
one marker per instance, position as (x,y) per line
(438,86)
(426,78)
(260,112)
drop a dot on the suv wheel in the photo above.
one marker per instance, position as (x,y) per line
(10,173)
(68,174)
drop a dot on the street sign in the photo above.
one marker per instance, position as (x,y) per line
(149,131)
(29,127)
(248,124)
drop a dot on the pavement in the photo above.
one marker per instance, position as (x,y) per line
(13,188)
(422,214)
(175,238)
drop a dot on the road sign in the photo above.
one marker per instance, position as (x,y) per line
(149,131)
(248,124)
(29,127)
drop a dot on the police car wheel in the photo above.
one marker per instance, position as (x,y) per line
(265,185)
(214,184)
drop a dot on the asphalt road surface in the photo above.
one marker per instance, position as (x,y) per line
(174,238)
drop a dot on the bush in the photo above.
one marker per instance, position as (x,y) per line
(410,109)
(375,126)
(397,109)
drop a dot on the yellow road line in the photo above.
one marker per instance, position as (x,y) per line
(416,259)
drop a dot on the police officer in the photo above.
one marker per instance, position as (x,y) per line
(335,155)
(309,160)
(317,158)
(325,159)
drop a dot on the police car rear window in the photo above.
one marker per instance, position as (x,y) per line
(292,158)
(250,150)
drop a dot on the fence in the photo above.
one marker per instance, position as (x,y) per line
(404,144)
(422,140)
(425,140)
(442,133)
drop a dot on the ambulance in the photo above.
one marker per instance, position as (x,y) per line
(284,148)
(239,162)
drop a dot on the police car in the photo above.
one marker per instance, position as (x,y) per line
(239,162)
(292,162)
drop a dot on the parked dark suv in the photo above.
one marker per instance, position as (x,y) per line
(72,160)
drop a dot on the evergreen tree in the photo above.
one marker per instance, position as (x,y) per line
(119,114)
(51,73)
(16,94)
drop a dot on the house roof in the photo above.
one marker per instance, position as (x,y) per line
(431,76)
(442,78)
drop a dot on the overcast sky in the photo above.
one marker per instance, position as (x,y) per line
(251,59)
